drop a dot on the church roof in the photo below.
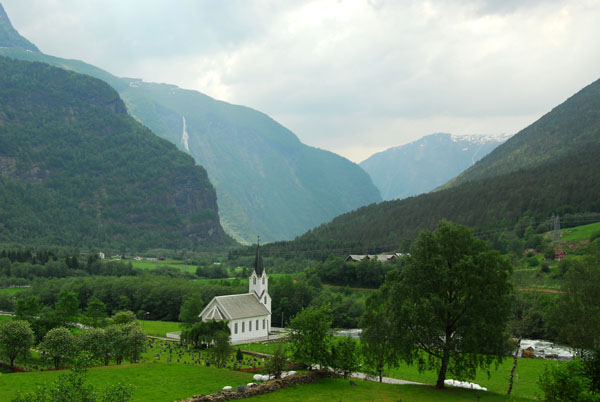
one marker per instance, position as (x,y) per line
(258,262)
(233,307)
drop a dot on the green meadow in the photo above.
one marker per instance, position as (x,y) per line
(179,374)
(11,291)
(155,381)
(341,390)
(181,265)
(581,233)
(528,371)
(159,328)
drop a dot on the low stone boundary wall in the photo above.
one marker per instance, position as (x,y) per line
(260,389)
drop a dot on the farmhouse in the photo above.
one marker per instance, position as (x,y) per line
(249,314)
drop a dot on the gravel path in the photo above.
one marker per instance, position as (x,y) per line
(386,380)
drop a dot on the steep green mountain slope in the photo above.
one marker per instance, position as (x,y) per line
(76,170)
(566,180)
(9,37)
(268,183)
(425,164)
(568,128)
(567,185)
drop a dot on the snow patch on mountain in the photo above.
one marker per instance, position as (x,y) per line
(480,139)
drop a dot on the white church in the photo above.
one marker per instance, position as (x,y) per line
(249,314)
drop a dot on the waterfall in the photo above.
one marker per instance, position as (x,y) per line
(185,137)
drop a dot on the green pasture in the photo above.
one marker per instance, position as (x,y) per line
(580,233)
(179,372)
(11,291)
(159,382)
(181,265)
(527,369)
(340,390)
(532,278)
(159,328)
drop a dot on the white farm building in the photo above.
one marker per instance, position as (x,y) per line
(249,314)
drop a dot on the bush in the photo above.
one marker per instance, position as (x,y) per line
(566,383)
(545,268)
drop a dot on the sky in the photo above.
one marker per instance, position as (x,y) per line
(351,76)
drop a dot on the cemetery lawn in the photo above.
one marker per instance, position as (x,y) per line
(340,390)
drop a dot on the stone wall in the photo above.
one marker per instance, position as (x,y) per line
(263,388)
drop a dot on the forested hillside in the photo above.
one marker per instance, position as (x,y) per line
(76,170)
(564,180)
(568,128)
(425,164)
(570,185)
(267,181)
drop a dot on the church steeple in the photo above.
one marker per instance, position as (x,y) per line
(258,262)
(258,283)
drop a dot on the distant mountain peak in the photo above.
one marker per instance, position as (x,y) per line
(481,139)
(427,163)
(9,37)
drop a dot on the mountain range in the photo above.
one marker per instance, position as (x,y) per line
(268,183)
(425,164)
(550,167)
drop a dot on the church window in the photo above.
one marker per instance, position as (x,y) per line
(249,325)
(265,299)
(263,323)
(243,326)
(257,327)
(235,328)
(263,279)
(254,280)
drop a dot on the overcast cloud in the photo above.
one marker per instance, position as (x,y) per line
(350,76)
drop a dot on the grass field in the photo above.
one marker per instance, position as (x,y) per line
(159,328)
(532,278)
(179,377)
(580,233)
(11,291)
(340,390)
(165,263)
(527,369)
(158,382)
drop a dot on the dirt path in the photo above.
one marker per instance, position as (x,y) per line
(541,290)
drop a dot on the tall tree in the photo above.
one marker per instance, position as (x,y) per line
(96,310)
(309,335)
(577,314)
(95,342)
(346,357)
(379,339)
(222,348)
(67,306)
(58,345)
(16,338)
(452,303)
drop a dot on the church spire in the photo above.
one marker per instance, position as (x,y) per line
(258,262)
